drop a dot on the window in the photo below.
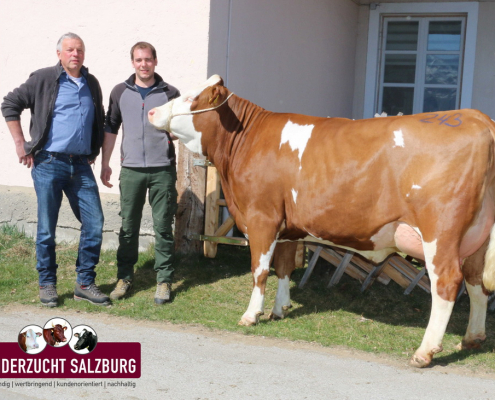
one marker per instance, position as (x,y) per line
(421,65)
(420,57)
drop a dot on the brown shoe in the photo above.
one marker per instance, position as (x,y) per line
(123,286)
(162,294)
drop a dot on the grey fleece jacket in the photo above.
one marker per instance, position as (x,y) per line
(38,94)
(142,144)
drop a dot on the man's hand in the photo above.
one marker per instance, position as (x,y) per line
(16,132)
(106,173)
(26,159)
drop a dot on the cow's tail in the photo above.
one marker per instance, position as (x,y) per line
(489,269)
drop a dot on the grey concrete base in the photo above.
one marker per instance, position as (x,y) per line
(18,207)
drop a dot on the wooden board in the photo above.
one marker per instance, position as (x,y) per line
(353,270)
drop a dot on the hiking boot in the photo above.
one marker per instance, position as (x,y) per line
(48,295)
(123,286)
(92,294)
(163,292)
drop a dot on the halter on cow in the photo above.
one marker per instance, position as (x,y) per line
(421,184)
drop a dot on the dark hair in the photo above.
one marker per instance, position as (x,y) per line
(143,45)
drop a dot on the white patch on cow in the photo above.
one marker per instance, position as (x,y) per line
(256,306)
(31,342)
(413,187)
(183,128)
(440,309)
(257,302)
(181,125)
(294,195)
(282,298)
(297,136)
(264,264)
(384,238)
(398,138)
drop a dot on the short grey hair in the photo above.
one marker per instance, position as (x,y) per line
(68,35)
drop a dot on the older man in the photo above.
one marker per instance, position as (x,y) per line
(66,132)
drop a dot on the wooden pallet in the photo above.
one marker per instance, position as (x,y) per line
(395,268)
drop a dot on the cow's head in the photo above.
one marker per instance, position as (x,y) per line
(58,332)
(84,339)
(176,116)
(31,337)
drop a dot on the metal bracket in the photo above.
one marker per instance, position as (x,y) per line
(200,162)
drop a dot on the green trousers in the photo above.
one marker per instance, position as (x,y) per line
(159,184)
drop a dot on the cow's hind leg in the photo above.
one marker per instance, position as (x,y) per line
(262,247)
(478,297)
(445,275)
(284,260)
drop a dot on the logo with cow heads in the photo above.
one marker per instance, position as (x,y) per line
(57,332)
(84,339)
(30,340)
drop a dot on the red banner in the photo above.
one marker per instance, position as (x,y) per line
(107,360)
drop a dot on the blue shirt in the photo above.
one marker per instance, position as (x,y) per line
(72,118)
(144,91)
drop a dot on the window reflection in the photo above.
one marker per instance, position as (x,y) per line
(444,35)
(437,99)
(442,69)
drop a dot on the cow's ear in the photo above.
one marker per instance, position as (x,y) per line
(65,328)
(217,95)
(76,334)
(24,334)
(38,333)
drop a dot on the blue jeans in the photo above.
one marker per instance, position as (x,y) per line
(54,173)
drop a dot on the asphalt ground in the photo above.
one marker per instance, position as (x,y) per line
(193,362)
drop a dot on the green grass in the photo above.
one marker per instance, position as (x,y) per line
(216,292)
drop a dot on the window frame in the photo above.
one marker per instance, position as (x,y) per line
(421,10)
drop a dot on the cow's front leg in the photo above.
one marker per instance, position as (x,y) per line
(284,261)
(261,255)
(445,278)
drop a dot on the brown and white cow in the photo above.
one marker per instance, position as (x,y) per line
(55,335)
(420,184)
(27,340)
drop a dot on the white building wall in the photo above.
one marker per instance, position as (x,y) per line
(30,29)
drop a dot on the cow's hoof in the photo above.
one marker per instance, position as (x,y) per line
(470,344)
(248,320)
(274,317)
(245,322)
(419,361)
